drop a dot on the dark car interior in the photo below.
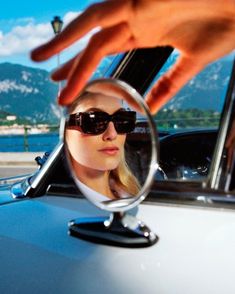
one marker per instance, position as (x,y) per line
(187,155)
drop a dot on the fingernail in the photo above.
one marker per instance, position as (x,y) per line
(62,97)
(53,75)
(34,55)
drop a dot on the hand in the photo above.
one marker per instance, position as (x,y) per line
(230,145)
(201,30)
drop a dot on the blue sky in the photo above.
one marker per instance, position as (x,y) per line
(25,24)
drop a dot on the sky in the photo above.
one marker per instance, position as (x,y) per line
(25,24)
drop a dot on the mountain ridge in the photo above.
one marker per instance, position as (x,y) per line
(28,93)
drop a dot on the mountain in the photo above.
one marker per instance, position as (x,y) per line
(205,91)
(28,93)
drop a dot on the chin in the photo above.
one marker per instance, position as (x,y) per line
(109,166)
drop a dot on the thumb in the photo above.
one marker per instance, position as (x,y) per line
(171,82)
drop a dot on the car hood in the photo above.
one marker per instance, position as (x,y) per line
(194,253)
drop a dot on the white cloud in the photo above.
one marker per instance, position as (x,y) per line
(22,38)
(69,16)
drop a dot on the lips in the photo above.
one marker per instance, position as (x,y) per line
(109,150)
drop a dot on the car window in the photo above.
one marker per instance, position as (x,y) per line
(200,102)
(188,124)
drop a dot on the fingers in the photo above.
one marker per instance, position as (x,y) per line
(231,138)
(106,42)
(171,82)
(62,72)
(230,144)
(230,150)
(230,155)
(103,14)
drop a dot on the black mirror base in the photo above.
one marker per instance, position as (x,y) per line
(121,230)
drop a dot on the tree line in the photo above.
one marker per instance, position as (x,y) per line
(187,118)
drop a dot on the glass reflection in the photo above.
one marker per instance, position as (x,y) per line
(96,138)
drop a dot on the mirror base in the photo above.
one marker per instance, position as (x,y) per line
(123,230)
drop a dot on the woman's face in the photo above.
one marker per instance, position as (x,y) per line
(99,152)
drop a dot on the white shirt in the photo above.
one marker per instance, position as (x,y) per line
(91,194)
(95,196)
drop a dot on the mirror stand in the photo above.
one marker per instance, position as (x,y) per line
(120,229)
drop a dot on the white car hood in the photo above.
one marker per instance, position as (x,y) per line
(194,253)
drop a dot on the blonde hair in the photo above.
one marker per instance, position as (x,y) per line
(122,174)
(124,178)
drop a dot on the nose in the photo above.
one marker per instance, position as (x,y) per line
(110,133)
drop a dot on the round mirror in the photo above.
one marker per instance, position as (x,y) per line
(110,144)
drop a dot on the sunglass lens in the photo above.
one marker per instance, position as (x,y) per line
(124,121)
(94,122)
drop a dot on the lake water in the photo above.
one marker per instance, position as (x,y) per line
(31,143)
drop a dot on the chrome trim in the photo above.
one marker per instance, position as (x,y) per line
(21,189)
(219,167)
(47,164)
(121,67)
(25,188)
(192,197)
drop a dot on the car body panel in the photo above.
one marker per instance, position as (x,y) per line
(193,254)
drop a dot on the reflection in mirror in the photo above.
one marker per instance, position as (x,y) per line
(109,145)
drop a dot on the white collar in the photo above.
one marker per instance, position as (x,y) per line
(91,194)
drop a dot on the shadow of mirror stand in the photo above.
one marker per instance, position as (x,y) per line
(118,229)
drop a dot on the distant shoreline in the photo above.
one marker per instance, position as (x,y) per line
(5,134)
(25,130)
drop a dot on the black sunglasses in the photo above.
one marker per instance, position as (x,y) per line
(96,122)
